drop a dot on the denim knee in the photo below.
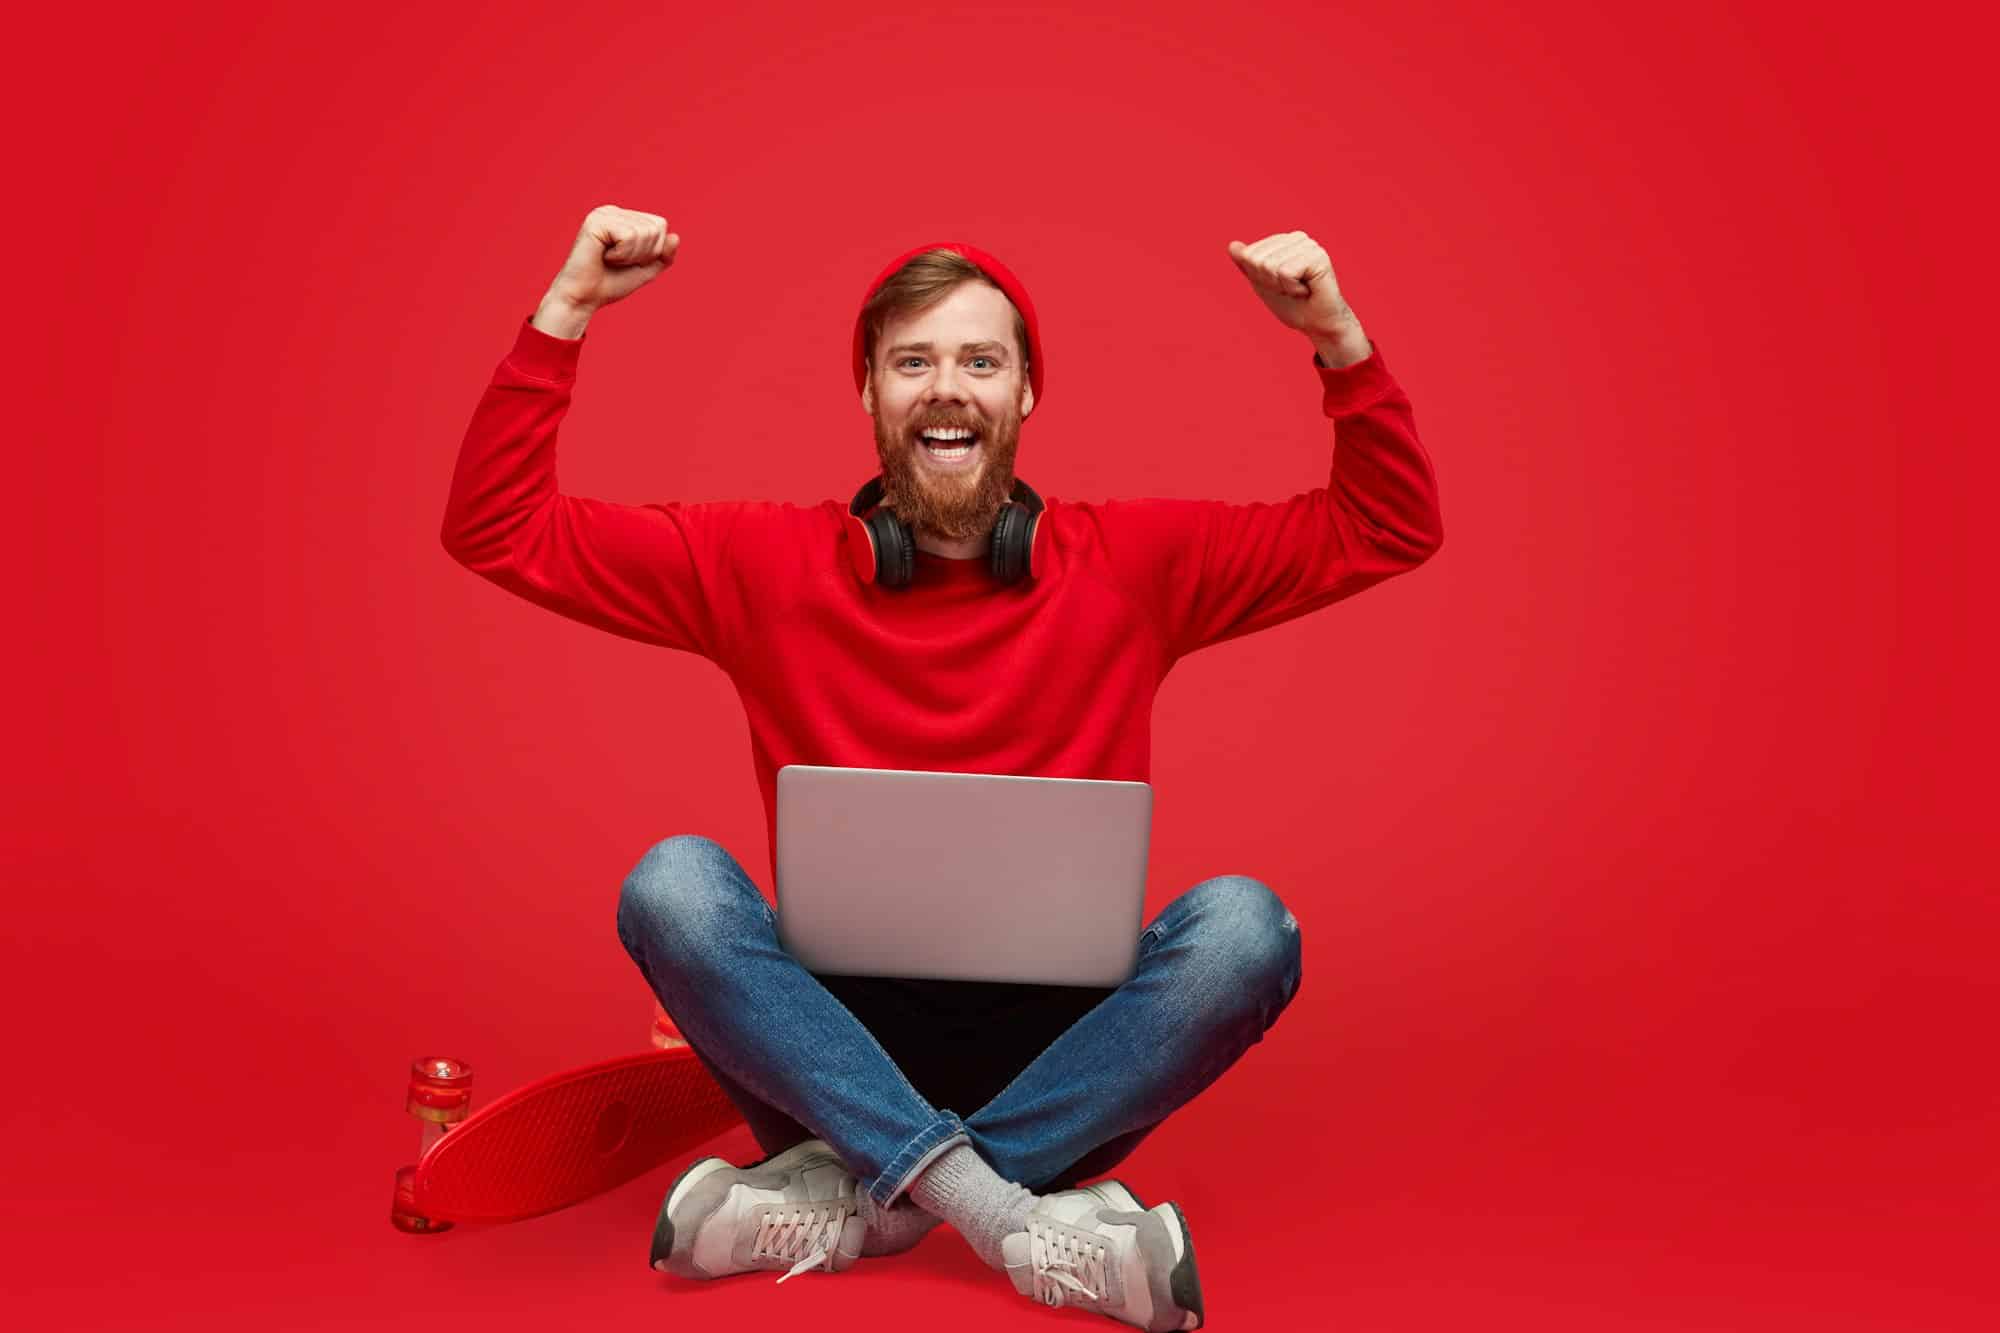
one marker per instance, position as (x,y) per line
(683,892)
(1255,935)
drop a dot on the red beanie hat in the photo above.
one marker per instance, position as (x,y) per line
(1007,282)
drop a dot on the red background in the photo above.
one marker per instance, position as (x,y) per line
(1638,839)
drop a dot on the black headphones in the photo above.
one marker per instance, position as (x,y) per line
(883,550)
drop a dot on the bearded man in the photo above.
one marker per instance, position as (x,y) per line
(946,618)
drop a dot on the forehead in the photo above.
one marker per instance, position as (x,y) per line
(971,312)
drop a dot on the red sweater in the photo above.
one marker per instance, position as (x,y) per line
(1050,677)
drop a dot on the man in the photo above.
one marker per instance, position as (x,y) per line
(946,619)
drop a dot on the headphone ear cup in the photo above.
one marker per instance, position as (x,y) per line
(895,549)
(1010,543)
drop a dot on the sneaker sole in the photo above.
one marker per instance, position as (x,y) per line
(1184,1283)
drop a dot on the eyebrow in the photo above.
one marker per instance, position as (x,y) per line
(963,347)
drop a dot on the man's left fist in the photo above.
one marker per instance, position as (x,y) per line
(1292,275)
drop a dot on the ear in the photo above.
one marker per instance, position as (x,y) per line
(1027,399)
(868,394)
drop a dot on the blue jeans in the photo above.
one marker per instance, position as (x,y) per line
(1216,968)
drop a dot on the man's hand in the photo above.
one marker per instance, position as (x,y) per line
(1294,279)
(616,252)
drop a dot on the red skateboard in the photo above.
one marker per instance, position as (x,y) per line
(556,1141)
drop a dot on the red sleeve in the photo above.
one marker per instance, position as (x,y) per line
(652,572)
(1214,571)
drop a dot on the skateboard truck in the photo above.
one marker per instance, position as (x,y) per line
(440,1096)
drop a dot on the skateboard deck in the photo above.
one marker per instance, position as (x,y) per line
(570,1136)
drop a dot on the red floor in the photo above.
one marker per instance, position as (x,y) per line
(1603,1219)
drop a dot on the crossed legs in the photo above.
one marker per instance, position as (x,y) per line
(1216,967)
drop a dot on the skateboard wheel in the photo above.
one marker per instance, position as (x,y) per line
(403,1214)
(440,1095)
(666,1033)
(440,1089)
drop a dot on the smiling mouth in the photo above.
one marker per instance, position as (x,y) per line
(951,450)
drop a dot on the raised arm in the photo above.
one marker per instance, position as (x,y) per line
(646,572)
(1211,571)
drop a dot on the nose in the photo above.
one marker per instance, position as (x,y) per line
(945,387)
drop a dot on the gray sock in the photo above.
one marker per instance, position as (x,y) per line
(981,1206)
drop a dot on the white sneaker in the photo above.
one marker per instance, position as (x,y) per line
(1111,1193)
(794,1211)
(1096,1248)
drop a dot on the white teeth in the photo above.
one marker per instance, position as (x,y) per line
(933,438)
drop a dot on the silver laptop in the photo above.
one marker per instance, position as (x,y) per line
(962,876)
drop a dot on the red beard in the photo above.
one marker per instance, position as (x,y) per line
(952,506)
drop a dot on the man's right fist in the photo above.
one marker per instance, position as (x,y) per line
(617,252)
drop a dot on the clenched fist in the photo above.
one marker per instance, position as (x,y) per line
(1293,277)
(618,251)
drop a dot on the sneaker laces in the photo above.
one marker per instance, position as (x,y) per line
(809,1229)
(1066,1260)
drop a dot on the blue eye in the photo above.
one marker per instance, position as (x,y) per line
(904,361)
